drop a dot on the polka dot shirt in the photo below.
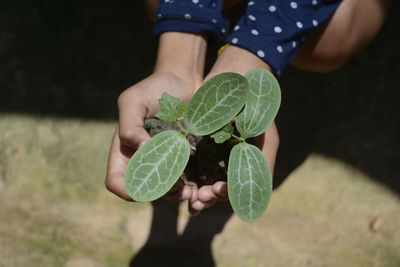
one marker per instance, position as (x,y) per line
(271,29)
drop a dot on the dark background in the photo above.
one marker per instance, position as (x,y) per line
(73,58)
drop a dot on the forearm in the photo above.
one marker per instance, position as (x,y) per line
(237,59)
(182,53)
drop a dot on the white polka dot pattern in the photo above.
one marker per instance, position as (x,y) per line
(272,8)
(277,29)
(251,17)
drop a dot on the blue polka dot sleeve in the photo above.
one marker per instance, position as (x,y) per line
(192,16)
(271,29)
(275,29)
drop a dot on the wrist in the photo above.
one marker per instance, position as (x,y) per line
(182,54)
(237,59)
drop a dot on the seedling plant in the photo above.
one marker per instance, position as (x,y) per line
(227,101)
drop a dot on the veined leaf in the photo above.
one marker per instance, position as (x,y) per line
(171,108)
(223,134)
(249,182)
(156,166)
(216,103)
(262,103)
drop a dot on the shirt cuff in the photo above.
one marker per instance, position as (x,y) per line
(196,16)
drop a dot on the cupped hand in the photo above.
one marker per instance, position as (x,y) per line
(135,104)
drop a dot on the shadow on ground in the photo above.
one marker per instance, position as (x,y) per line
(191,248)
(72,59)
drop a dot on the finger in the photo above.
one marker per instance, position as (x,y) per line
(132,112)
(205,198)
(193,199)
(206,194)
(192,211)
(194,193)
(199,205)
(187,192)
(220,190)
(117,161)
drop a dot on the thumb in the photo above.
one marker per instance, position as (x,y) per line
(131,117)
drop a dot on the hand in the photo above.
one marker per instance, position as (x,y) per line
(135,104)
(178,71)
(236,59)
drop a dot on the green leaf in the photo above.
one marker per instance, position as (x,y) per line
(216,103)
(223,134)
(249,182)
(262,103)
(156,166)
(171,108)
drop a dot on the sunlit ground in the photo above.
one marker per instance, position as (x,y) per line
(55,210)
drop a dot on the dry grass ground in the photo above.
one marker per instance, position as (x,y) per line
(55,210)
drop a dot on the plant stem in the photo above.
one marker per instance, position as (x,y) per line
(183,129)
(240,139)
